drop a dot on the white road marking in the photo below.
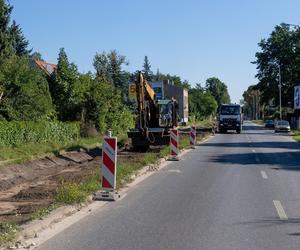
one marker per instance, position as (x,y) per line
(253,150)
(264,174)
(281,213)
(174,171)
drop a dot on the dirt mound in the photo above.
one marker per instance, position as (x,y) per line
(34,193)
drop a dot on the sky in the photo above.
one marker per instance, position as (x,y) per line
(194,39)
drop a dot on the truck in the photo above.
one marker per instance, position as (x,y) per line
(155,116)
(230,117)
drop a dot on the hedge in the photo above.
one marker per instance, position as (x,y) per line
(16,133)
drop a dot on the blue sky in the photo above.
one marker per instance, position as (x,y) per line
(193,39)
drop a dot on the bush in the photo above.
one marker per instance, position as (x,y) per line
(16,133)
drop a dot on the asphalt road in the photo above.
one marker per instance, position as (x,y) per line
(236,191)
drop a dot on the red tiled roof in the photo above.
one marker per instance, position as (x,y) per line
(48,68)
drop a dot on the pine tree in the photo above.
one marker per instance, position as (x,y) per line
(19,42)
(12,40)
(6,47)
(147,69)
(62,84)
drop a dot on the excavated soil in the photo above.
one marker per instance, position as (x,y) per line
(26,187)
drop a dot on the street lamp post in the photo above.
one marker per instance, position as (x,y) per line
(279,86)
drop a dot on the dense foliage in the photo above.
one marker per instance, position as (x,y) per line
(201,103)
(16,133)
(24,91)
(279,53)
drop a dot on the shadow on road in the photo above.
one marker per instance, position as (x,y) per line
(265,144)
(273,221)
(282,160)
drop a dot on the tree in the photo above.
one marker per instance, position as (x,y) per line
(281,49)
(12,40)
(62,86)
(147,69)
(109,69)
(102,67)
(19,42)
(6,47)
(24,91)
(218,90)
(201,103)
(37,56)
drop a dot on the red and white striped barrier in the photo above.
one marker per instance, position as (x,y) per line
(109,163)
(109,170)
(174,144)
(193,137)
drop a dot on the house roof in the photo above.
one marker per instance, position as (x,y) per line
(48,68)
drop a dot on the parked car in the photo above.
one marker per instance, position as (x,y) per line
(269,124)
(282,126)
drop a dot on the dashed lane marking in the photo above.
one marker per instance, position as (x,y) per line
(264,174)
(279,208)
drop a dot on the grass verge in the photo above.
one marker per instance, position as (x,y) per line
(74,193)
(8,232)
(23,153)
(296,135)
(259,122)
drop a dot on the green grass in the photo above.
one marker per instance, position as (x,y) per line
(40,213)
(204,123)
(296,135)
(74,193)
(259,122)
(8,232)
(27,152)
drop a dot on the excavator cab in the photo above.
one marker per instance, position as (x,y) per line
(154,117)
(167,113)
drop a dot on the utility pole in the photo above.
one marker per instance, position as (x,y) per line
(280,110)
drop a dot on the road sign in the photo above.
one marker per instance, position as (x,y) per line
(297,97)
(132,92)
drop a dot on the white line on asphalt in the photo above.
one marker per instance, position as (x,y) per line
(264,174)
(281,213)
(174,171)
(253,150)
(257,159)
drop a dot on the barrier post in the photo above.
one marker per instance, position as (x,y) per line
(193,137)
(108,170)
(174,145)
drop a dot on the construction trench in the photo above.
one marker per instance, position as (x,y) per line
(28,187)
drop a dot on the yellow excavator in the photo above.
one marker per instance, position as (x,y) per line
(154,117)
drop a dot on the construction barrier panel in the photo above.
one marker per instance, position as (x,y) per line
(174,144)
(109,164)
(193,137)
